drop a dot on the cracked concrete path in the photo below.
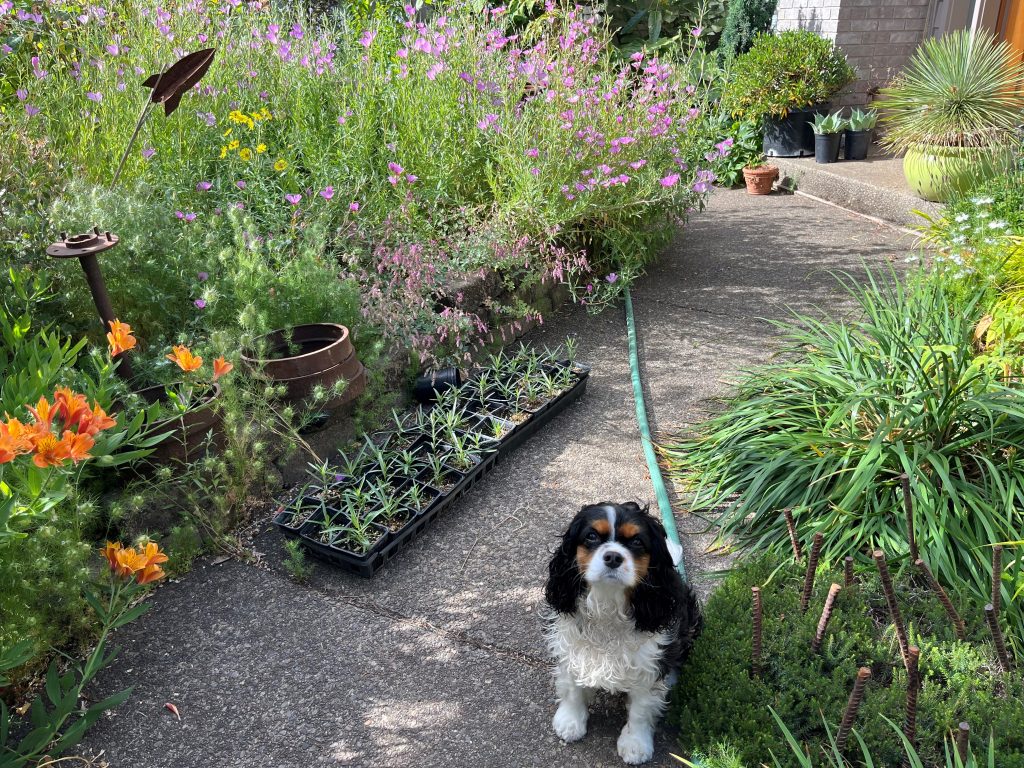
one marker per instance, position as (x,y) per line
(438,660)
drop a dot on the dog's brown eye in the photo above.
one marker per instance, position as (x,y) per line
(592,537)
(635,543)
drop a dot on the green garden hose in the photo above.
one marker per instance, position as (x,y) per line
(660,492)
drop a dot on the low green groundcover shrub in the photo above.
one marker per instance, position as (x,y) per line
(718,701)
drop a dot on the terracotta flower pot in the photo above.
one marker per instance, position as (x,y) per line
(760,179)
(318,354)
(189,431)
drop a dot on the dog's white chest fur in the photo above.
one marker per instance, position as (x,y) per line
(600,647)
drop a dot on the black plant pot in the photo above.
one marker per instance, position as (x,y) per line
(826,147)
(857,144)
(428,385)
(792,135)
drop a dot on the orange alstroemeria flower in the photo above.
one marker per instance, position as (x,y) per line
(221,367)
(15,439)
(185,359)
(95,421)
(49,451)
(70,406)
(77,445)
(110,553)
(151,571)
(120,338)
(143,564)
(43,414)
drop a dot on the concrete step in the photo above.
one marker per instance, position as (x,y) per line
(874,187)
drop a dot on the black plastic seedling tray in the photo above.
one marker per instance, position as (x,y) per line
(393,542)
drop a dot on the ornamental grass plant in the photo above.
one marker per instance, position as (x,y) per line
(847,408)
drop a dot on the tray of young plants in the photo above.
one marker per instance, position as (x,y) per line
(359,511)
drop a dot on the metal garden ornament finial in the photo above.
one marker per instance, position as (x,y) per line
(168,88)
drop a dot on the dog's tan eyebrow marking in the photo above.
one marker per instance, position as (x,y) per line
(602,526)
(629,530)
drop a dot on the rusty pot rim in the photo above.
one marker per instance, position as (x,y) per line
(342,338)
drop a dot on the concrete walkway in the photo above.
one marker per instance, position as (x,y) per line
(438,661)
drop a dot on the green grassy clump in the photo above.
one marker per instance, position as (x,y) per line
(718,701)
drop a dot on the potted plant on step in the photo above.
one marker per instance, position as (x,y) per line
(781,83)
(954,111)
(859,130)
(760,176)
(828,132)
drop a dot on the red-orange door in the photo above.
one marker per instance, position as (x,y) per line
(1011,17)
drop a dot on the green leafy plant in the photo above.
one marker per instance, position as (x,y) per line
(862,121)
(723,703)
(746,150)
(829,429)
(829,124)
(744,21)
(963,89)
(295,563)
(790,70)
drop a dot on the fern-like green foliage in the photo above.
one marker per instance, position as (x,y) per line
(719,702)
(744,20)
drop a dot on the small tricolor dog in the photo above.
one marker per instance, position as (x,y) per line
(623,621)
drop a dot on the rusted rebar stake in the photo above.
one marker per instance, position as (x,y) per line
(791,527)
(997,577)
(812,567)
(958,624)
(848,571)
(756,666)
(997,637)
(913,685)
(852,705)
(908,509)
(826,614)
(963,740)
(894,608)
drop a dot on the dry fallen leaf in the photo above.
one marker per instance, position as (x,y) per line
(173,709)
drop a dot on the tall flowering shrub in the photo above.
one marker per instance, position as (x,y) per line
(369,129)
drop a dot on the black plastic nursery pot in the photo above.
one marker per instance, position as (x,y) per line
(428,385)
(826,147)
(454,482)
(857,144)
(791,136)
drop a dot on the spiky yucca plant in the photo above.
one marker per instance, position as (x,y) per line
(964,89)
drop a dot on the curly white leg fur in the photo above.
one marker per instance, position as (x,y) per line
(636,742)
(570,721)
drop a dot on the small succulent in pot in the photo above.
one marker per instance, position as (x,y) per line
(828,132)
(860,128)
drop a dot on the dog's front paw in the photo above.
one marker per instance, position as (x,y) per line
(636,746)
(570,722)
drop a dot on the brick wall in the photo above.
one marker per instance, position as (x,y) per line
(877,36)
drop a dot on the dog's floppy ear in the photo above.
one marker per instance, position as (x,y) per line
(658,599)
(565,582)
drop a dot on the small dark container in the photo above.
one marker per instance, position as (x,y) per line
(857,144)
(429,384)
(826,147)
(792,136)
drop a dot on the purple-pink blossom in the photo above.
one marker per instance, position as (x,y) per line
(353,206)
(240,184)
(671,180)
(94,96)
(327,193)
(293,198)
(366,40)
(148,152)
(201,303)
(612,277)
(203,186)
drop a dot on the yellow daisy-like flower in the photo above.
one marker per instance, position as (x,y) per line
(280,165)
(261,148)
(265,114)
(233,144)
(223,152)
(227,132)
(245,153)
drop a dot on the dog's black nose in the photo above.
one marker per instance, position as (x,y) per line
(612,559)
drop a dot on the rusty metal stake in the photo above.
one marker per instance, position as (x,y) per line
(756,665)
(997,637)
(85,247)
(963,738)
(826,614)
(791,526)
(908,509)
(848,571)
(997,577)
(913,685)
(812,567)
(947,604)
(852,705)
(890,599)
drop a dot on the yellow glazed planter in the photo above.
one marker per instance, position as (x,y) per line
(939,173)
